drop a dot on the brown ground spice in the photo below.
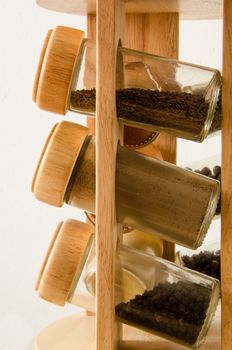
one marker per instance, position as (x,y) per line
(217,120)
(176,110)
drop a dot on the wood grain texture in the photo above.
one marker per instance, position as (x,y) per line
(54,72)
(40,64)
(65,253)
(226,212)
(77,332)
(151,151)
(57,161)
(109,22)
(188,9)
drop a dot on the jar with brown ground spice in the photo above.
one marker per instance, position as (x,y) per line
(217,119)
(216,125)
(153,196)
(152,294)
(152,92)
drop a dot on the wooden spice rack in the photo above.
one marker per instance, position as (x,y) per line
(152,26)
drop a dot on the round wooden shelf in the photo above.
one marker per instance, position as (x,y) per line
(77,332)
(188,9)
(70,333)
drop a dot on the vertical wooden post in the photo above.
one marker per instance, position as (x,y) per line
(109,23)
(91,34)
(157,34)
(226,214)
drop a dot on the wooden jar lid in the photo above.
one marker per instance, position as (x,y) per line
(54,72)
(57,161)
(63,260)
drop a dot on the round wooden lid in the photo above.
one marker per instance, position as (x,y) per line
(55,67)
(63,260)
(57,161)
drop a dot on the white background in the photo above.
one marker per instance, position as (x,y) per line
(27,225)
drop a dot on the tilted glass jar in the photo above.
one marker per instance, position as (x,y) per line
(153,196)
(152,92)
(206,259)
(150,293)
(217,119)
(146,242)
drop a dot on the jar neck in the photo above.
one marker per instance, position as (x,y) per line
(88,254)
(76,77)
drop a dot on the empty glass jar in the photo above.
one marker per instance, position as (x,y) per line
(152,92)
(150,293)
(153,196)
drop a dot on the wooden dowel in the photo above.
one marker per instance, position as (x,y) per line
(109,22)
(226,212)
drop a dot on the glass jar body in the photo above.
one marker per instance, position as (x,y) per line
(151,195)
(154,295)
(154,93)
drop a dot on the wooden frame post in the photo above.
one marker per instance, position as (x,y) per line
(226,212)
(109,22)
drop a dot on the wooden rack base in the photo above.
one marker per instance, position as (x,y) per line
(77,332)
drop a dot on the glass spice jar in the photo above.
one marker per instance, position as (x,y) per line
(205,259)
(146,242)
(152,294)
(153,196)
(217,119)
(152,92)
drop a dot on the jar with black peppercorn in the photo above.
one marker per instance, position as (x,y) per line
(206,259)
(152,92)
(153,196)
(150,293)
